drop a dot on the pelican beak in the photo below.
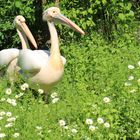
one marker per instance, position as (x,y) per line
(28,34)
(64,20)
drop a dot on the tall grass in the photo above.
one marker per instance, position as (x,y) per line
(98,97)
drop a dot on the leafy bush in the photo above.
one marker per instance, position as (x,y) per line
(99,15)
(98,97)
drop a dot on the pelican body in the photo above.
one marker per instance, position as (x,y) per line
(43,67)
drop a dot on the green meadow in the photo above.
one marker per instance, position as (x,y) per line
(98,97)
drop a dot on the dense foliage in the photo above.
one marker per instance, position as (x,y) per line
(101,83)
(98,97)
(106,17)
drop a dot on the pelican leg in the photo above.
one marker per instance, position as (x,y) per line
(46,98)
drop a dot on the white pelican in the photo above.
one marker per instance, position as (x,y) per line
(8,57)
(42,67)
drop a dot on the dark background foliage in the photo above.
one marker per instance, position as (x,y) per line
(107,17)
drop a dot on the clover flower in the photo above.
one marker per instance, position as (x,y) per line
(38,127)
(1,117)
(24,86)
(107,125)
(106,99)
(19,95)
(55,100)
(2,113)
(12,101)
(100,120)
(133,91)
(66,127)
(11,119)
(74,131)
(8,114)
(8,91)
(2,135)
(15,135)
(92,128)
(89,121)
(2,99)
(40,91)
(131,67)
(127,84)
(9,125)
(139,63)
(62,123)
(131,78)
(54,95)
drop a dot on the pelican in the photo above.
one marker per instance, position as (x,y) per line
(8,57)
(42,67)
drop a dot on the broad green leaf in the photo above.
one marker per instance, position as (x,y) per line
(18,4)
(121,16)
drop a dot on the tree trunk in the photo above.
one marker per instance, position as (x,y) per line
(40,27)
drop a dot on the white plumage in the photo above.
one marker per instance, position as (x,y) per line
(9,57)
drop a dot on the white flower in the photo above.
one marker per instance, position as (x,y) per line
(66,127)
(55,100)
(38,127)
(8,91)
(131,67)
(3,99)
(54,94)
(127,84)
(9,125)
(8,114)
(24,86)
(89,121)
(139,63)
(19,95)
(92,128)
(62,123)
(2,135)
(74,131)
(15,135)
(1,117)
(106,100)
(100,120)
(107,125)
(133,91)
(131,78)
(12,101)
(2,113)
(11,119)
(40,91)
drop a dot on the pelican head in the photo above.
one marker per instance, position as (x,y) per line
(53,14)
(21,26)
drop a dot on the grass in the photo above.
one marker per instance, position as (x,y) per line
(96,87)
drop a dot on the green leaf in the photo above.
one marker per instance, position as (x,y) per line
(121,16)
(18,4)
(129,6)
(131,13)
(104,1)
(90,10)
